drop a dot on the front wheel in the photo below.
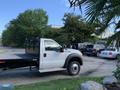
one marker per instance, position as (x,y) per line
(73,68)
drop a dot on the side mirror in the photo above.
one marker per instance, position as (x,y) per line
(61,49)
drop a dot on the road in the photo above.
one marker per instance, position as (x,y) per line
(93,66)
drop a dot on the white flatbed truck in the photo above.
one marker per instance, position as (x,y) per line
(46,55)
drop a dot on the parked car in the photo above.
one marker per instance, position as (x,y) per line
(82,46)
(111,52)
(93,49)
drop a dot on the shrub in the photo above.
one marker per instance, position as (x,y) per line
(117,72)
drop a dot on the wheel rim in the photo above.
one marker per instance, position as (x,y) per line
(75,68)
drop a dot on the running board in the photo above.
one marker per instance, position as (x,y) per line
(51,70)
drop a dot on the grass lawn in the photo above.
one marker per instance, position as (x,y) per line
(65,84)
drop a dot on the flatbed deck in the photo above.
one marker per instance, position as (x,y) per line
(12,56)
(16,60)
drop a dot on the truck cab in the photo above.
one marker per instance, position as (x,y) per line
(51,56)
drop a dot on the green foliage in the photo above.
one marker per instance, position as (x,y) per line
(56,34)
(5,37)
(96,9)
(63,84)
(116,37)
(105,11)
(28,24)
(76,28)
(117,72)
(33,23)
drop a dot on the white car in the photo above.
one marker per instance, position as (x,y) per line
(109,53)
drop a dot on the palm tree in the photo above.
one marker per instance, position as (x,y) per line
(105,11)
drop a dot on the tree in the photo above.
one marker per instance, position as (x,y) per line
(76,29)
(6,37)
(106,11)
(28,24)
(56,34)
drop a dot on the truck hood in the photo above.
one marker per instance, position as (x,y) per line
(71,51)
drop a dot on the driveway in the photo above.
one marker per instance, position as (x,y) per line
(93,66)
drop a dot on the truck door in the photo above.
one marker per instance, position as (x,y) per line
(51,56)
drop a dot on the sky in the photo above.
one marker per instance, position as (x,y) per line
(10,9)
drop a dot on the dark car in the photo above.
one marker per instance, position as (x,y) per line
(89,50)
(93,49)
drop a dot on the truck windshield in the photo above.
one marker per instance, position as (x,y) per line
(32,46)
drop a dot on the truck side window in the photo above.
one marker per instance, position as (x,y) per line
(32,46)
(51,45)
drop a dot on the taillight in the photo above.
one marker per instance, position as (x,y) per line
(110,53)
(1,62)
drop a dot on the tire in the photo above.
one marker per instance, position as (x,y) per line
(73,68)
